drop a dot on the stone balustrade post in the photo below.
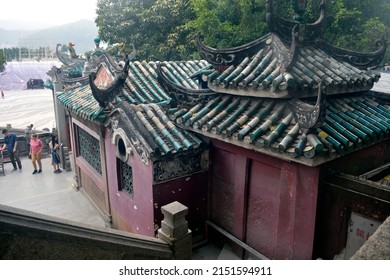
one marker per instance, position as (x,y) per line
(174,230)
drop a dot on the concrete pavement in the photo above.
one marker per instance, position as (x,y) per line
(24,107)
(46,193)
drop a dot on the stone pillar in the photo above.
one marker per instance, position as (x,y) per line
(60,116)
(174,230)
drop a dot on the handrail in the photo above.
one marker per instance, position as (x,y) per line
(19,222)
(237,241)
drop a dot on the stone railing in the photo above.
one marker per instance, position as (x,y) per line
(27,235)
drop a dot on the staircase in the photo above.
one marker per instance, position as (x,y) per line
(28,235)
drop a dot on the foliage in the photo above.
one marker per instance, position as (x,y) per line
(165,29)
(156,28)
(228,23)
(356,25)
(2,61)
(11,54)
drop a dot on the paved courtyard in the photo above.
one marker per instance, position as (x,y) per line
(46,193)
(24,107)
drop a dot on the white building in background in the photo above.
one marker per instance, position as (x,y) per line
(36,49)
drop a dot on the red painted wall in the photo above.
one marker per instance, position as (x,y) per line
(191,191)
(134,214)
(268,203)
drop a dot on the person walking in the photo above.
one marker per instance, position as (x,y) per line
(11,143)
(55,159)
(2,94)
(36,147)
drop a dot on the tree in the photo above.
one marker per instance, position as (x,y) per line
(2,61)
(229,23)
(156,27)
(165,29)
(356,25)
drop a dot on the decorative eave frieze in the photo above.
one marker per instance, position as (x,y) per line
(124,128)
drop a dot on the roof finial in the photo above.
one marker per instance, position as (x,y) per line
(299,9)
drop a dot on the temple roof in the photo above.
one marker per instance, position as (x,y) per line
(141,85)
(138,97)
(147,125)
(352,121)
(81,102)
(270,73)
(288,94)
(290,62)
(268,126)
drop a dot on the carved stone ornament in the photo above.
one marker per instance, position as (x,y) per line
(125,133)
(177,167)
(141,150)
(119,138)
(359,59)
(106,94)
(310,116)
(229,56)
(312,32)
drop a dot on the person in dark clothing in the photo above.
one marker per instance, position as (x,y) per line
(55,159)
(11,143)
(29,131)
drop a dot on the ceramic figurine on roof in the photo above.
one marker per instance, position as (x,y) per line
(71,70)
(72,51)
(98,50)
(119,51)
(72,61)
(75,69)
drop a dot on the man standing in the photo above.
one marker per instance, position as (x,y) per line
(11,143)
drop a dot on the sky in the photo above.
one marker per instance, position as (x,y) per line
(53,12)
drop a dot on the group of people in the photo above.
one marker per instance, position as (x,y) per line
(35,147)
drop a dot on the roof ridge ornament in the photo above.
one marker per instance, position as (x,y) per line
(105,95)
(310,117)
(361,60)
(312,32)
(299,9)
(228,56)
(69,60)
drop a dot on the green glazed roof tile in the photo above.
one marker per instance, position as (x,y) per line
(267,124)
(81,102)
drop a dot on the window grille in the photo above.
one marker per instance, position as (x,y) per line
(125,177)
(89,149)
